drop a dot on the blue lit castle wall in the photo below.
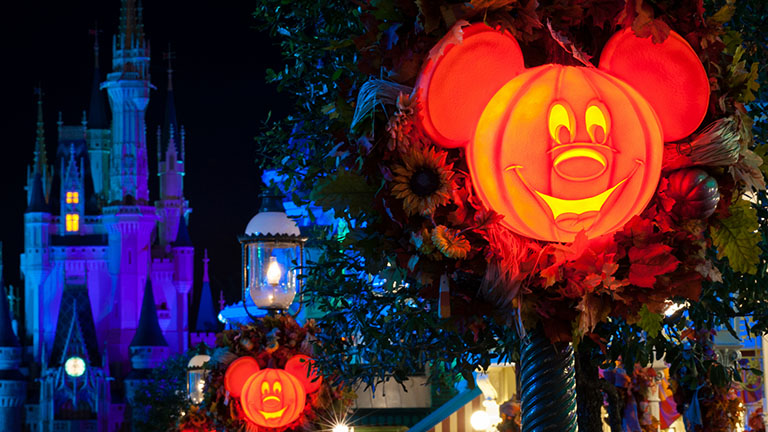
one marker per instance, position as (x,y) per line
(95,245)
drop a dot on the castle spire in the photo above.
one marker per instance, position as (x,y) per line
(170,125)
(41,157)
(206,314)
(97,115)
(148,333)
(131,25)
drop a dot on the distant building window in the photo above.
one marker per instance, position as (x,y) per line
(74,366)
(73,222)
(73,197)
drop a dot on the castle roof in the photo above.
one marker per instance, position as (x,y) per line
(207,322)
(75,330)
(148,332)
(7,336)
(182,236)
(37,202)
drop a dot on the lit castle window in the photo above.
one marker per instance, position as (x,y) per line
(73,222)
(74,366)
(73,197)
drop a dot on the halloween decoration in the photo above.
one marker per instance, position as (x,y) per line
(302,367)
(695,193)
(559,149)
(272,398)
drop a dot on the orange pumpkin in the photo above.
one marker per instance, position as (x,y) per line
(558,150)
(273,398)
(238,373)
(303,368)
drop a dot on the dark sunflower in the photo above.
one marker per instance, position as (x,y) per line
(423,181)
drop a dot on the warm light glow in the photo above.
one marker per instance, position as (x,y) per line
(273,398)
(302,367)
(73,222)
(74,367)
(273,272)
(342,428)
(480,420)
(559,150)
(73,197)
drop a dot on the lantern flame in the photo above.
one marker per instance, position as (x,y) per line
(273,272)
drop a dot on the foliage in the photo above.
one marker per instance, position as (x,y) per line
(378,284)
(162,399)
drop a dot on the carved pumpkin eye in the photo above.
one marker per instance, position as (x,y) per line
(264,387)
(561,123)
(597,123)
(277,387)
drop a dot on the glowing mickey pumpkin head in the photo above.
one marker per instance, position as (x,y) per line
(560,149)
(271,398)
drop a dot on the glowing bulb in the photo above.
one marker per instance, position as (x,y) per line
(342,428)
(480,420)
(273,272)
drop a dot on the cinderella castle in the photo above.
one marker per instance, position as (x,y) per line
(107,272)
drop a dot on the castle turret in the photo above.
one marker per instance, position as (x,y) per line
(128,89)
(170,167)
(13,386)
(207,323)
(183,261)
(148,347)
(35,260)
(99,131)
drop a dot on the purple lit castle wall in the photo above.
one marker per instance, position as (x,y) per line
(93,241)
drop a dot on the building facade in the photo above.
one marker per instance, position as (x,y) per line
(95,245)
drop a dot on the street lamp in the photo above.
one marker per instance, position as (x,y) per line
(272,252)
(196,375)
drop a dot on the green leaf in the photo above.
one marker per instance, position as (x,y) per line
(650,322)
(343,191)
(737,238)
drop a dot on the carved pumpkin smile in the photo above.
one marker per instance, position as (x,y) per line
(574,215)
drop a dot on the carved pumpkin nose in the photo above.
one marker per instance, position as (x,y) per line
(580,163)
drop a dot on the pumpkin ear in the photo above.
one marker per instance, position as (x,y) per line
(238,373)
(669,75)
(463,72)
(304,369)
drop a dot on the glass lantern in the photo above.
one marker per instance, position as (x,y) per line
(272,253)
(196,375)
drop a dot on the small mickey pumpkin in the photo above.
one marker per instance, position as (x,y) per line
(560,149)
(271,398)
(695,193)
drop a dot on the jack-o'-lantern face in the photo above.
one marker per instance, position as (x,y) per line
(559,149)
(272,398)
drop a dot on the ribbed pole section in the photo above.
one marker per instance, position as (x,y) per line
(548,385)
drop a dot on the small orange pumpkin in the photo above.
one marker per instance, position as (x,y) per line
(559,150)
(273,398)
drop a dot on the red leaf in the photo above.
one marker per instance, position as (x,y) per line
(649,262)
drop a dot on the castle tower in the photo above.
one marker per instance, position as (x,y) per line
(207,323)
(72,194)
(35,260)
(171,206)
(99,132)
(13,386)
(183,262)
(128,219)
(148,346)
(128,89)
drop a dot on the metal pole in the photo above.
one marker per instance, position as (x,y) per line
(548,385)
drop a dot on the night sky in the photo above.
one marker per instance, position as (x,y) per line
(221,99)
